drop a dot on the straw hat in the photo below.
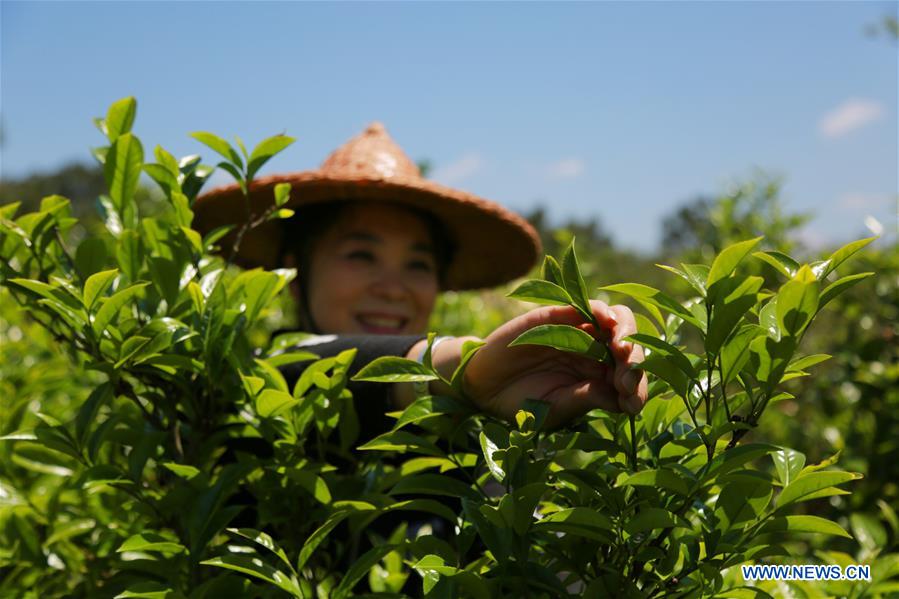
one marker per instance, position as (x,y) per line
(493,245)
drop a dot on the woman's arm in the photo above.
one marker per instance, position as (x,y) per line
(446,358)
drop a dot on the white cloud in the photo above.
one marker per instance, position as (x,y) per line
(848,116)
(567,168)
(459,170)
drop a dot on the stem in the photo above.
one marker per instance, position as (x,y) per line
(633,419)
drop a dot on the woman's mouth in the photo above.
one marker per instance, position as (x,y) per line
(381,324)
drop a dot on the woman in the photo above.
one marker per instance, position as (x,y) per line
(374,243)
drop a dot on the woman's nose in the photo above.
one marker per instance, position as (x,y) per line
(390,286)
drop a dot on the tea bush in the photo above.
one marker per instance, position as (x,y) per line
(178,462)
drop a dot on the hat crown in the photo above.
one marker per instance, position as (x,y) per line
(370,155)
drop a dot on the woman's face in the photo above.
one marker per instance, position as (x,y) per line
(373,272)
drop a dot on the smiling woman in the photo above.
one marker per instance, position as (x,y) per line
(374,243)
(365,268)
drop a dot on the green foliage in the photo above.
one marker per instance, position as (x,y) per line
(162,453)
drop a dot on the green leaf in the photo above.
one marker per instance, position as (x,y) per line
(149,590)
(183,470)
(740,502)
(129,254)
(564,338)
(264,540)
(122,170)
(313,483)
(788,463)
(839,286)
(148,541)
(120,118)
(655,298)
(805,484)
(690,277)
(843,254)
(541,292)
(664,368)
(734,298)
(264,151)
(579,521)
(666,350)
(220,146)
(402,441)
(67,530)
(794,524)
(112,305)
(282,194)
(360,568)
(551,271)
(321,533)
(573,282)
(797,301)
(389,369)
(430,407)
(432,484)
(271,403)
(650,518)
(488,447)
(735,352)
(96,285)
(807,361)
(780,261)
(727,261)
(663,478)
(90,257)
(869,532)
(255,567)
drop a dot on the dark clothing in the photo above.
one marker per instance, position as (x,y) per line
(371,399)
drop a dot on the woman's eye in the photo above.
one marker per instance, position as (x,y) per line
(421,265)
(361,255)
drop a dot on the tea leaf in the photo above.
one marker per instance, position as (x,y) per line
(726,262)
(650,518)
(112,305)
(810,482)
(665,349)
(573,282)
(784,524)
(149,541)
(797,302)
(120,118)
(839,286)
(843,254)
(541,292)
(122,171)
(255,567)
(220,146)
(96,285)
(264,540)
(271,403)
(389,369)
(282,194)
(264,151)
(564,338)
(654,297)
(788,463)
(780,261)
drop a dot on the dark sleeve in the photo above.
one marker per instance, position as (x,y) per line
(370,399)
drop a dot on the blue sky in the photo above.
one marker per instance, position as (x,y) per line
(620,110)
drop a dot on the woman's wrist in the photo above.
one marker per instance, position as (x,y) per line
(445,358)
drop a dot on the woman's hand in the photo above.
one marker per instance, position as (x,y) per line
(499,378)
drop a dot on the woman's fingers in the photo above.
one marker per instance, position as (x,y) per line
(572,401)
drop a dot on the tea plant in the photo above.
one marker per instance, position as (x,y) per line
(199,464)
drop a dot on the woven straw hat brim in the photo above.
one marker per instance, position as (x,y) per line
(493,245)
